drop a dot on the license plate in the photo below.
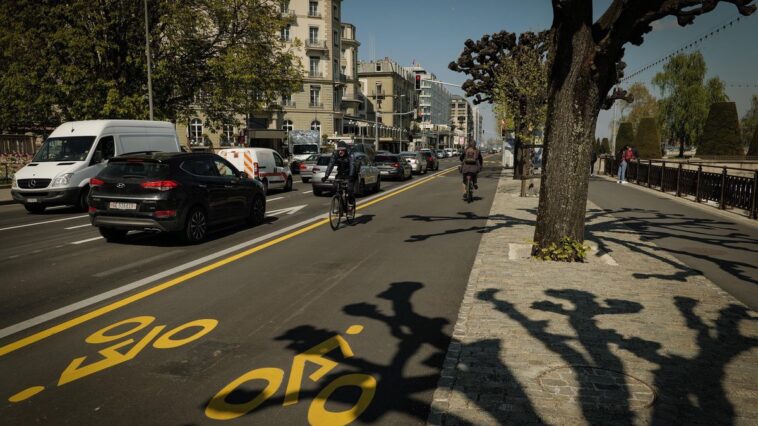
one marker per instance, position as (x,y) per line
(114,205)
(31,200)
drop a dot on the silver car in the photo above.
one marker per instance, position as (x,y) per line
(306,167)
(369,178)
(416,160)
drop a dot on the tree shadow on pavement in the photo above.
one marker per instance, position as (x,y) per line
(501,221)
(689,390)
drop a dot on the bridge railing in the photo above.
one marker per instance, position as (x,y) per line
(729,188)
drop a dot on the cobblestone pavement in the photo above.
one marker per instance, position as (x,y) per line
(623,339)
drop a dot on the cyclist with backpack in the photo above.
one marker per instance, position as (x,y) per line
(346,169)
(471,164)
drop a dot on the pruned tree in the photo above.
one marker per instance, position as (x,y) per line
(749,123)
(721,133)
(648,140)
(605,146)
(753,149)
(585,61)
(625,135)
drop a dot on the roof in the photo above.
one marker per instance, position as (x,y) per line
(95,127)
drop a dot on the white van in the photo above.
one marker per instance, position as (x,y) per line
(76,151)
(263,164)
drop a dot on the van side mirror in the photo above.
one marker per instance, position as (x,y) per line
(97,157)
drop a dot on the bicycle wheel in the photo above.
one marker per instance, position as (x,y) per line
(335,212)
(349,209)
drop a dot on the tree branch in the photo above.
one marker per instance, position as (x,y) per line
(618,94)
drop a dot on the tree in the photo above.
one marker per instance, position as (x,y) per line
(684,107)
(644,105)
(625,135)
(749,122)
(753,150)
(80,59)
(605,146)
(721,134)
(648,140)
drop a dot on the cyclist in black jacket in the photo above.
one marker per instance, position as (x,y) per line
(345,163)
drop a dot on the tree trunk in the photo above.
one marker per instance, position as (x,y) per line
(573,107)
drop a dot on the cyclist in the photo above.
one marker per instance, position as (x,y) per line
(471,164)
(345,163)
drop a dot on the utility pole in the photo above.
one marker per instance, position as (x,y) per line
(149,75)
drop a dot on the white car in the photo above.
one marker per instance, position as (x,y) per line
(60,171)
(263,164)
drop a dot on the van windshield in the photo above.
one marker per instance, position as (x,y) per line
(304,149)
(74,148)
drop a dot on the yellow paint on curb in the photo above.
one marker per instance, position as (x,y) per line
(34,338)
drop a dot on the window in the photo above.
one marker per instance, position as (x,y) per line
(227,135)
(315,95)
(378,67)
(286,33)
(316,125)
(278,160)
(196,130)
(315,66)
(287,100)
(287,126)
(313,35)
(285,5)
(336,38)
(224,168)
(199,167)
(105,150)
(313,8)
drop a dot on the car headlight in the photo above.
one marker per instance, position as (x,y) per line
(62,180)
(14,183)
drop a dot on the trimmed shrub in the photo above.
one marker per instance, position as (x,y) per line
(625,136)
(721,134)
(753,150)
(648,141)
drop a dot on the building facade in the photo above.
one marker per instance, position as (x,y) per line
(462,117)
(433,112)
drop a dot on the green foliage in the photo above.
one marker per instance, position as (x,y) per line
(605,146)
(81,59)
(625,135)
(686,98)
(648,140)
(644,105)
(753,150)
(566,250)
(749,123)
(721,134)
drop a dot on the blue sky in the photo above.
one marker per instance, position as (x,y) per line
(432,33)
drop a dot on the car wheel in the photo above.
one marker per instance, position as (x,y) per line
(82,205)
(378,185)
(196,226)
(113,235)
(305,180)
(362,187)
(34,208)
(257,211)
(288,185)
(317,192)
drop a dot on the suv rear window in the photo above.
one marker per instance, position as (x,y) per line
(386,159)
(135,169)
(323,160)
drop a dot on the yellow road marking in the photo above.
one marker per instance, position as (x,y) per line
(44,334)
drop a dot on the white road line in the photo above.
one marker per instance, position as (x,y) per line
(42,223)
(307,192)
(78,226)
(57,313)
(87,240)
(132,265)
(274,199)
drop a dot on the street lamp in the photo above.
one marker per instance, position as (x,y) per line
(149,76)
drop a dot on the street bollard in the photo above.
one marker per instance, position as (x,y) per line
(678,179)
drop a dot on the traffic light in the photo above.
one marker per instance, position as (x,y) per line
(418,82)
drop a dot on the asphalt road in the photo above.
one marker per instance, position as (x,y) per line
(722,248)
(286,323)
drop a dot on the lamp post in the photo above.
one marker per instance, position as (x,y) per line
(149,75)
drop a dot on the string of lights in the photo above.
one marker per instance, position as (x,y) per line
(717,30)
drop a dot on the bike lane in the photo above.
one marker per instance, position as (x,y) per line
(390,286)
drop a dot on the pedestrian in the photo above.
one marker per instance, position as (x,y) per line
(626,156)
(593,160)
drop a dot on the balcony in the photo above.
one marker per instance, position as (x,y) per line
(314,14)
(288,104)
(289,13)
(315,74)
(312,44)
(316,105)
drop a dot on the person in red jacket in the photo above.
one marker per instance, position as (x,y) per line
(627,155)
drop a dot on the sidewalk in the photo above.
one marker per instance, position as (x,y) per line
(5,196)
(635,337)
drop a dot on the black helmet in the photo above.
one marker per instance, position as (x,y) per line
(341,145)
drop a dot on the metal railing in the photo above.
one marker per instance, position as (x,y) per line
(315,74)
(316,44)
(732,188)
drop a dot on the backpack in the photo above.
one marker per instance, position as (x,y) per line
(471,156)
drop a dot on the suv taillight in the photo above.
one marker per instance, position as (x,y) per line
(95,182)
(303,166)
(160,185)
(396,165)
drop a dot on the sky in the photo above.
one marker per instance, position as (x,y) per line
(432,33)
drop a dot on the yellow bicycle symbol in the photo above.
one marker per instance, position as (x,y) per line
(219,409)
(114,355)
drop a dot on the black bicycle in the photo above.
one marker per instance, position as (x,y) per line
(469,189)
(342,205)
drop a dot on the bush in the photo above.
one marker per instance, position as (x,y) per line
(753,150)
(605,146)
(648,141)
(625,135)
(721,134)
(567,250)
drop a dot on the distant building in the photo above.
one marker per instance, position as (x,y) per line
(462,118)
(434,110)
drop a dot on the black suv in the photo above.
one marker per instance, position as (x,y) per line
(177,192)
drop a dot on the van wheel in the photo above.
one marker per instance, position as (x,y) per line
(196,226)
(288,185)
(113,235)
(257,211)
(34,208)
(265,187)
(83,204)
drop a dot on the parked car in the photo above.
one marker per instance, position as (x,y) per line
(306,167)
(76,151)
(183,193)
(369,179)
(263,164)
(440,154)
(416,160)
(448,152)
(393,167)
(432,163)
